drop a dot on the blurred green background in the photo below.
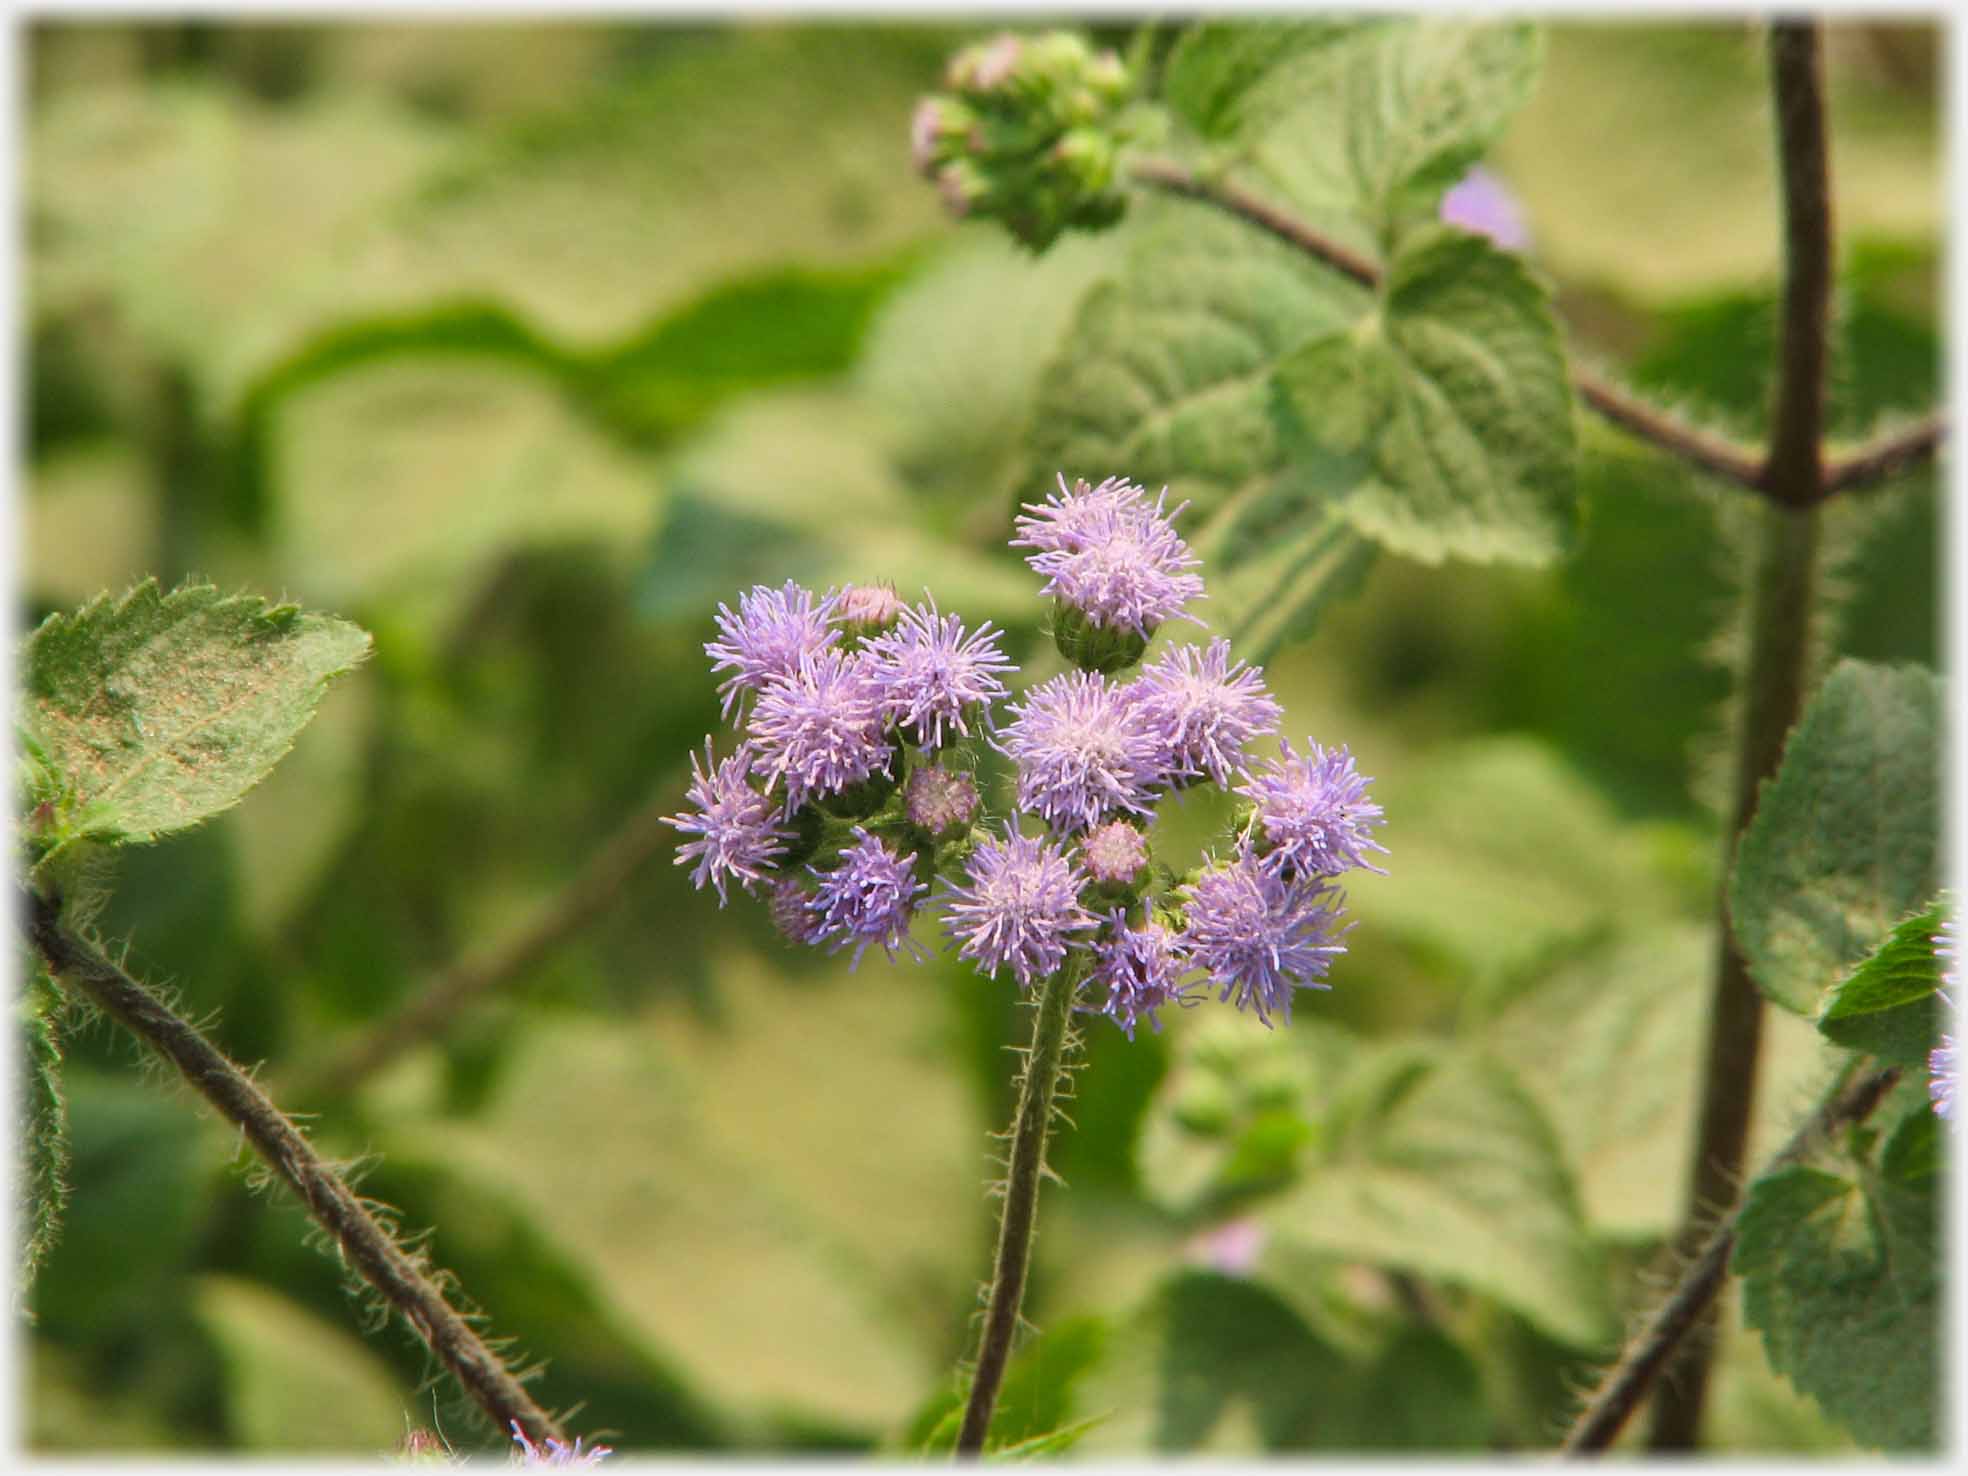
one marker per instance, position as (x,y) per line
(523,345)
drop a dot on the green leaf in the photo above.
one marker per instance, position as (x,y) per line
(1053,1442)
(1362,120)
(1841,1275)
(1449,1169)
(1037,1404)
(1846,839)
(1449,410)
(158,711)
(43,1123)
(1888,1005)
(294,1382)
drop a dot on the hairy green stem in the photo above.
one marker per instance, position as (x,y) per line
(1600,1422)
(356,1234)
(1778,673)
(1038,1091)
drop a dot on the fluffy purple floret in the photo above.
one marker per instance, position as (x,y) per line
(1108,553)
(773,631)
(1081,752)
(737,830)
(1258,935)
(557,1452)
(932,674)
(1019,906)
(1312,816)
(787,907)
(1138,970)
(868,897)
(1481,204)
(1203,708)
(1114,853)
(820,730)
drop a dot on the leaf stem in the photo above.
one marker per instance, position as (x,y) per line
(1711,453)
(1599,1424)
(357,1235)
(1038,1091)
(576,905)
(1779,659)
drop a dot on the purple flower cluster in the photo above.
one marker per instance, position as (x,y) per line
(1110,555)
(552,1452)
(840,803)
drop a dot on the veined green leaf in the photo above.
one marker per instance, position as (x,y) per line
(157,711)
(1846,838)
(1889,1004)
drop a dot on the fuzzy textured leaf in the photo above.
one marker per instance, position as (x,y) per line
(43,1182)
(1889,1006)
(1846,839)
(1449,410)
(1840,1271)
(155,711)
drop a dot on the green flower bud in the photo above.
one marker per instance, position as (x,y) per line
(1093,647)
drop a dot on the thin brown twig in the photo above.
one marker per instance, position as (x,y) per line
(1712,453)
(566,913)
(361,1240)
(1599,1424)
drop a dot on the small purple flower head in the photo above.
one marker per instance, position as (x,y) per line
(1140,970)
(738,837)
(773,631)
(932,673)
(819,729)
(1114,853)
(557,1452)
(1944,1061)
(789,913)
(1019,906)
(1231,1248)
(1081,752)
(1203,709)
(869,897)
(941,801)
(1312,815)
(1481,204)
(1109,555)
(868,608)
(1258,935)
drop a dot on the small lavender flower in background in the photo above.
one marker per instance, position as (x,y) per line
(819,730)
(1115,853)
(1481,204)
(932,673)
(1020,906)
(1203,708)
(1944,1062)
(941,801)
(1258,935)
(1231,1248)
(773,631)
(1312,816)
(738,837)
(869,897)
(1081,752)
(1112,558)
(557,1452)
(1140,970)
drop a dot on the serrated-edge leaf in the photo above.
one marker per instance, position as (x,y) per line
(1215,67)
(158,711)
(1846,838)
(1887,1005)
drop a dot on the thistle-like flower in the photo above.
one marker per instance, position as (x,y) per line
(819,730)
(1138,970)
(1081,752)
(738,834)
(1203,709)
(933,675)
(1259,935)
(557,1452)
(773,631)
(1111,557)
(1311,816)
(1019,906)
(868,897)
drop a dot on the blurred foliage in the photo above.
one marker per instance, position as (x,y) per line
(522,345)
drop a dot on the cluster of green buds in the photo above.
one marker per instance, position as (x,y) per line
(1025,134)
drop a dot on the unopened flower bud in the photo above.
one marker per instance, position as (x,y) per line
(939,127)
(421,1448)
(1086,156)
(1115,854)
(868,609)
(1102,648)
(940,801)
(962,185)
